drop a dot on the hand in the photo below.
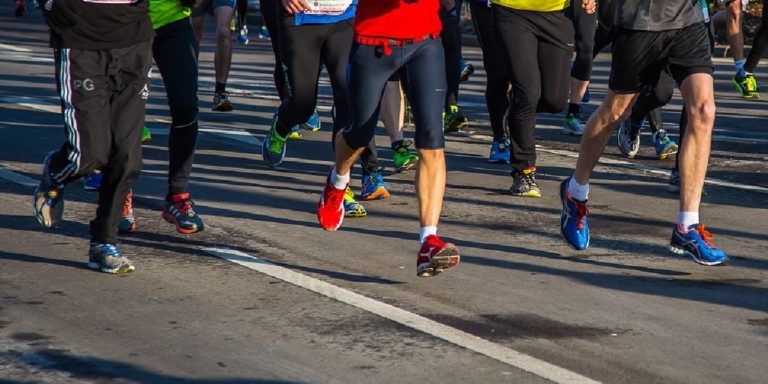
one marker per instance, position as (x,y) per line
(295,6)
(589,6)
(447,5)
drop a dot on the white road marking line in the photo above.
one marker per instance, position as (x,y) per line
(17,178)
(14,48)
(34,103)
(452,335)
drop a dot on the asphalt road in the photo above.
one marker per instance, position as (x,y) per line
(265,296)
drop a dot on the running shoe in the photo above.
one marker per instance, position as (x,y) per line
(127,222)
(499,151)
(403,158)
(467,69)
(221,102)
(747,86)
(696,242)
(48,201)
(273,146)
(107,258)
(263,33)
(351,207)
(573,219)
(178,211)
(674,183)
(524,183)
(330,208)
(242,35)
(587,97)
(628,138)
(295,133)
(92,181)
(20,8)
(573,125)
(453,120)
(663,144)
(146,135)
(313,124)
(435,256)
(374,187)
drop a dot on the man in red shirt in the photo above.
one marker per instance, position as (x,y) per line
(389,35)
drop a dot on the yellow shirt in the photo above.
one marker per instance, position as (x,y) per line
(534,5)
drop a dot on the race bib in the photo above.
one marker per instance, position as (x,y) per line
(327,7)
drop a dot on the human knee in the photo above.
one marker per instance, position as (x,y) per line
(223,32)
(702,113)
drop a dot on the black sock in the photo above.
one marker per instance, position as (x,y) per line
(220,87)
(574,109)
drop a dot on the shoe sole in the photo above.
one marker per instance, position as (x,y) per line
(457,127)
(114,271)
(407,166)
(571,132)
(355,214)
(172,220)
(132,229)
(379,194)
(498,161)
(680,251)
(526,194)
(443,260)
(225,107)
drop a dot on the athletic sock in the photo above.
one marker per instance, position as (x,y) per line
(339,181)
(221,87)
(573,109)
(426,231)
(739,65)
(686,219)
(578,191)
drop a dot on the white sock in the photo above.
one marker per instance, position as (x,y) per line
(739,65)
(426,231)
(578,191)
(686,219)
(339,181)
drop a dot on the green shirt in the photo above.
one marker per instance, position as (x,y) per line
(164,12)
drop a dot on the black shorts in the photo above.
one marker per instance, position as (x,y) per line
(640,56)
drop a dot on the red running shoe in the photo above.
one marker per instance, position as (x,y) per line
(330,208)
(435,256)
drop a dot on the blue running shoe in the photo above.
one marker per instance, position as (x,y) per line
(587,97)
(696,242)
(48,200)
(374,187)
(273,146)
(107,258)
(93,181)
(351,207)
(242,35)
(573,219)
(499,152)
(313,124)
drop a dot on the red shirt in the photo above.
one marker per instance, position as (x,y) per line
(397,19)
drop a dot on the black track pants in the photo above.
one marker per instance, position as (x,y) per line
(497,84)
(451,39)
(536,53)
(759,43)
(103,95)
(270,12)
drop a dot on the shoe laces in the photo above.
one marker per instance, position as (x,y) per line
(128,205)
(183,204)
(705,234)
(581,212)
(349,196)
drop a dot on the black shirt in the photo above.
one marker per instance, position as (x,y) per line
(657,15)
(95,25)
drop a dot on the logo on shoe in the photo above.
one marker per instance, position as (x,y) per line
(427,253)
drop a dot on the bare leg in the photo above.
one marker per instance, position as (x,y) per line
(197,26)
(393,110)
(430,185)
(699,100)
(578,88)
(345,155)
(598,131)
(223,58)
(733,29)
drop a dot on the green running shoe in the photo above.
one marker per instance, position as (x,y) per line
(747,86)
(146,135)
(453,120)
(273,146)
(403,158)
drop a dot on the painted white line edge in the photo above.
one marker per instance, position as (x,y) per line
(17,178)
(452,335)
